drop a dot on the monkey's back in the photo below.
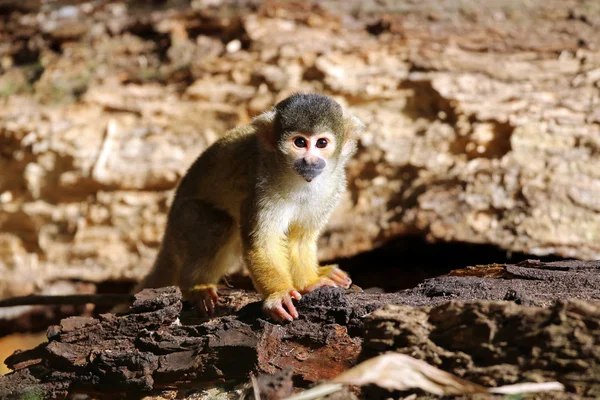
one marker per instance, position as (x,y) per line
(221,175)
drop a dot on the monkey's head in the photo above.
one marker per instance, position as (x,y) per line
(311,134)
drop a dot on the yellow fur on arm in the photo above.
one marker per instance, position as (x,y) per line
(326,270)
(268,263)
(304,266)
(203,287)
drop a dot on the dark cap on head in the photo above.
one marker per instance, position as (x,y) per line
(308,113)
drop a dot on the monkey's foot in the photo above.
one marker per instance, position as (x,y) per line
(273,305)
(204,298)
(334,273)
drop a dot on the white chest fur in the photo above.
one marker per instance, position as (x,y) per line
(299,202)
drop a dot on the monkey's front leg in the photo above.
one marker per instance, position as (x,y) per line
(304,265)
(267,261)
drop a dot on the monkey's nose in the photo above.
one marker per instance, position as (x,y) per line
(309,170)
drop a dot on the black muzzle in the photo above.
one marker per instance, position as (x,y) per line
(309,171)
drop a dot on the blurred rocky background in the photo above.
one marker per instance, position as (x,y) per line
(483,124)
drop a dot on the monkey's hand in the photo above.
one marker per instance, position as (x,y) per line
(334,273)
(204,298)
(329,275)
(273,305)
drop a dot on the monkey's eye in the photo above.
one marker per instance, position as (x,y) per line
(300,142)
(322,143)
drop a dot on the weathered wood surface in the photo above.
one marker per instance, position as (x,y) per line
(497,343)
(148,349)
(155,347)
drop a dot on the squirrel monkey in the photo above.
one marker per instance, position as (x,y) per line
(263,192)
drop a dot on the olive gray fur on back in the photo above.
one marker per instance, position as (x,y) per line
(308,113)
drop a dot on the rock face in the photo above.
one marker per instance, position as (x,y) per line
(483,123)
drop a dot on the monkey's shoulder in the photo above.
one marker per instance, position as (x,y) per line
(239,142)
(241,135)
(236,146)
(221,175)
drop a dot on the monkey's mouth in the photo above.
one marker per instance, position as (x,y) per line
(308,171)
(309,174)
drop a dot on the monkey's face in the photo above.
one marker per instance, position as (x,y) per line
(309,153)
(310,133)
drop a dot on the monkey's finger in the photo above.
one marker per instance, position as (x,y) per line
(290,306)
(296,294)
(200,308)
(213,295)
(337,272)
(339,276)
(281,314)
(329,282)
(271,313)
(208,304)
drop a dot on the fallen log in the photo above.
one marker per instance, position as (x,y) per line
(151,349)
(495,343)
(157,347)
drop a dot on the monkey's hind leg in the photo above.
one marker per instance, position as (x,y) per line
(206,242)
(204,295)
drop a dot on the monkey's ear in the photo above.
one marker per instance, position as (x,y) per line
(353,128)
(265,129)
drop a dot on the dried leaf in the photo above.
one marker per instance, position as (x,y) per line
(401,372)
(396,371)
